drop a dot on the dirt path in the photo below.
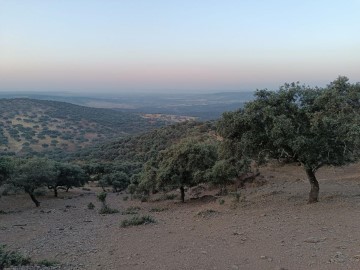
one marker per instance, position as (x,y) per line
(271,228)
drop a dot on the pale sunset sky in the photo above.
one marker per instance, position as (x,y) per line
(176,45)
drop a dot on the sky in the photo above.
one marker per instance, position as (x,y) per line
(176,45)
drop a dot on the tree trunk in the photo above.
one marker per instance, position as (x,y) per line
(32,196)
(182,191)
(314,191)
(55,191)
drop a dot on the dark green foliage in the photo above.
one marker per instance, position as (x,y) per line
(137,220)
(12,258)
(67,176)
(313,126)
(32,174)
(118,180)
(6,167)
(106,210)
(128,155)
(141,148)
(185,164)
(132,210)
(90,206)
(47,263)
(223,173)
(72,123)
(102,197)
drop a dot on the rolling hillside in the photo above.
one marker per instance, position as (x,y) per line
(29,125)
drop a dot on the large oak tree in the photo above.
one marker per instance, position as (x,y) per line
(313,126)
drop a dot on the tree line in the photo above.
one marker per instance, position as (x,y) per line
(312,126)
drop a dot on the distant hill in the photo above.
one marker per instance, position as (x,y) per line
(30,125)
(139,148)
(203,106)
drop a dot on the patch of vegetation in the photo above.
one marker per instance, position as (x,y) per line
(132,210)
(54,123)
(91,206)
(107,210)
(47,263)
(137,220)
(12,258)
(158,209)
(221,201)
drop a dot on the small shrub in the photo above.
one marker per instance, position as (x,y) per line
(144,198)
(107,210)
(132,210)
(207,213)
(166,197)
(137,220)
(90,206)
(157,209)
(47,263)
(125,198)
(221,202)
(102,197)
(12,258)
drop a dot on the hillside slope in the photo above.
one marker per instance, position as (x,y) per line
(30,125)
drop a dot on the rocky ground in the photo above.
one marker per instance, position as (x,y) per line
(271,227)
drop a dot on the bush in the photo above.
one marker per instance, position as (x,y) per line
(132,210)
(90,206)
(137,220)
(166,197)
(107,210)
(47,263)
(102,197)
(125,198)
(12,258)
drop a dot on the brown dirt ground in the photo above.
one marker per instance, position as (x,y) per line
(272,227)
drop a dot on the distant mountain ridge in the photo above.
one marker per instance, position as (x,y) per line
(204,106)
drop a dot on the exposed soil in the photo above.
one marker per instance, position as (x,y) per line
(271,227)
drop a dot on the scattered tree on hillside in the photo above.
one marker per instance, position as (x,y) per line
(5,169)
(118,180)
(68,176)
(222,174)
(185,164)
(32,174)
(315,127)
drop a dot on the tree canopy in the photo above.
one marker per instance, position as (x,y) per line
(313,126)
(33,173)
(185,164)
